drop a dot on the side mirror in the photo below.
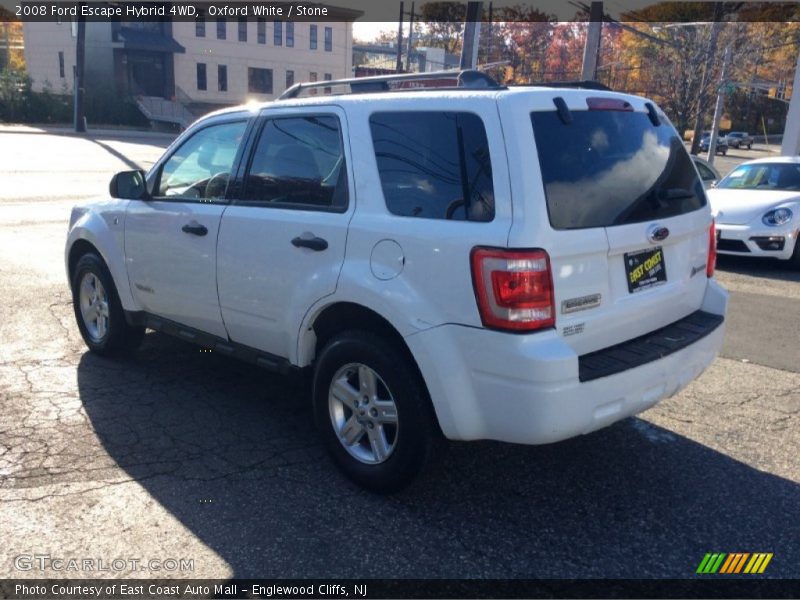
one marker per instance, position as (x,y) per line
(129,185)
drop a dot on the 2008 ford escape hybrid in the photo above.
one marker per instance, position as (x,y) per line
(521,264)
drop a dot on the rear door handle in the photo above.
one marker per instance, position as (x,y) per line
(317,244)
(194,228)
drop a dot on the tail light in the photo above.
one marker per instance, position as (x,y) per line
(514,288)
(712,249)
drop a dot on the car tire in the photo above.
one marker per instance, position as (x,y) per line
(373,411)
(98,311)
(794,260)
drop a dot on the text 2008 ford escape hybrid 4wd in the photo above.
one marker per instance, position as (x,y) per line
(520,264)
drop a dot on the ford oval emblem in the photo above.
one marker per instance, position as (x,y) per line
(657,233)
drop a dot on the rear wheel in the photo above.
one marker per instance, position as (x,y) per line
(373,411)
(98,311)
(795,259)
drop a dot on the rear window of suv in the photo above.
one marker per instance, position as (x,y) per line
(434,165)
(609,168)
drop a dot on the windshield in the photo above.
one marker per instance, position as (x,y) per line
(765,176)
(610,168)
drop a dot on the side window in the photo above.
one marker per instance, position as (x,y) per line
(705,173)
(299,161)
(200,168)
(434,165)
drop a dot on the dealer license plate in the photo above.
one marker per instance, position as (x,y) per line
(645,269)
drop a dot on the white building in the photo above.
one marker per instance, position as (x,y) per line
(201,65)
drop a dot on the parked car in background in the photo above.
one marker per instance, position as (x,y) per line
(722,143)
(737,139)
(708,174)
(757,209)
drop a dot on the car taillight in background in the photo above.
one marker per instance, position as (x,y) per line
(514,288)
(712,249)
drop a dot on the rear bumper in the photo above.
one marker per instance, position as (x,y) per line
(527,389)
(746,240)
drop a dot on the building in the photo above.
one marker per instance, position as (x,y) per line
(174,66)
(375,58)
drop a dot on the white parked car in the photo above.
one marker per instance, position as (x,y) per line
(757,209)
(414,254)
(708,173)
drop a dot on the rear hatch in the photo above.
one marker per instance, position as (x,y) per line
(613,197)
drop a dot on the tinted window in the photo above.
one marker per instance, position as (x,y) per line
(763,176)
(434,165)
(277,34)
(705,173)
(199,169)
(261,30)
(299,161)
(221,29)
(259,81)
(201,76)
(611,168)
(290,34)
(312,37)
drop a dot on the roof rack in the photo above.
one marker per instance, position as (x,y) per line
(468,78)
(585,84)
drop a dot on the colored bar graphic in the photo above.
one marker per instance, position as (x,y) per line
(765,563)
(733,563)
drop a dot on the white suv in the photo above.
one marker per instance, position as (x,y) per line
(521,264)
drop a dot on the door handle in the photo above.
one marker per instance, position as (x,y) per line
(317,244)
(194,228)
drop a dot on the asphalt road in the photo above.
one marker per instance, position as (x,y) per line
(177,453)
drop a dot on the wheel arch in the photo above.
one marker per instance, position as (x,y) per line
(342,316)
(82,240)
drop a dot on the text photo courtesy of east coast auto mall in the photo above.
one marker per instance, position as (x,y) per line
(399,299)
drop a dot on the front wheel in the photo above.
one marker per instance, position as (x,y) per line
(98,311)
(373,411)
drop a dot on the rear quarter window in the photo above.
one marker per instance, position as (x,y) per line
(434,165)
(609,168)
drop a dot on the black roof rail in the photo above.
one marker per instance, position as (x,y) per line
(585,84)
(467,79)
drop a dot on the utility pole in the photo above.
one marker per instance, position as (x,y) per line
(399,66)
(791,134)
(410,37)
(472,32)
(723,82)
(78,85)
(590,50)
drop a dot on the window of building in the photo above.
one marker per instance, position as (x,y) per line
(299,162)
(312,37)
(222,78)
(290,34)
(259,81)
(434,165)
(61,65)
(329,39)
(262,31)
(289,79)
(222,29)
(200,24)
(242,29)
(277,34)
(199,169)
(327,77)
(202,83)
(312,76)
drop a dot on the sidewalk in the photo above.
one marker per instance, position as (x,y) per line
(90,133)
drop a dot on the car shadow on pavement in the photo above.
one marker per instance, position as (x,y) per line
(760,267)
(231,452)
